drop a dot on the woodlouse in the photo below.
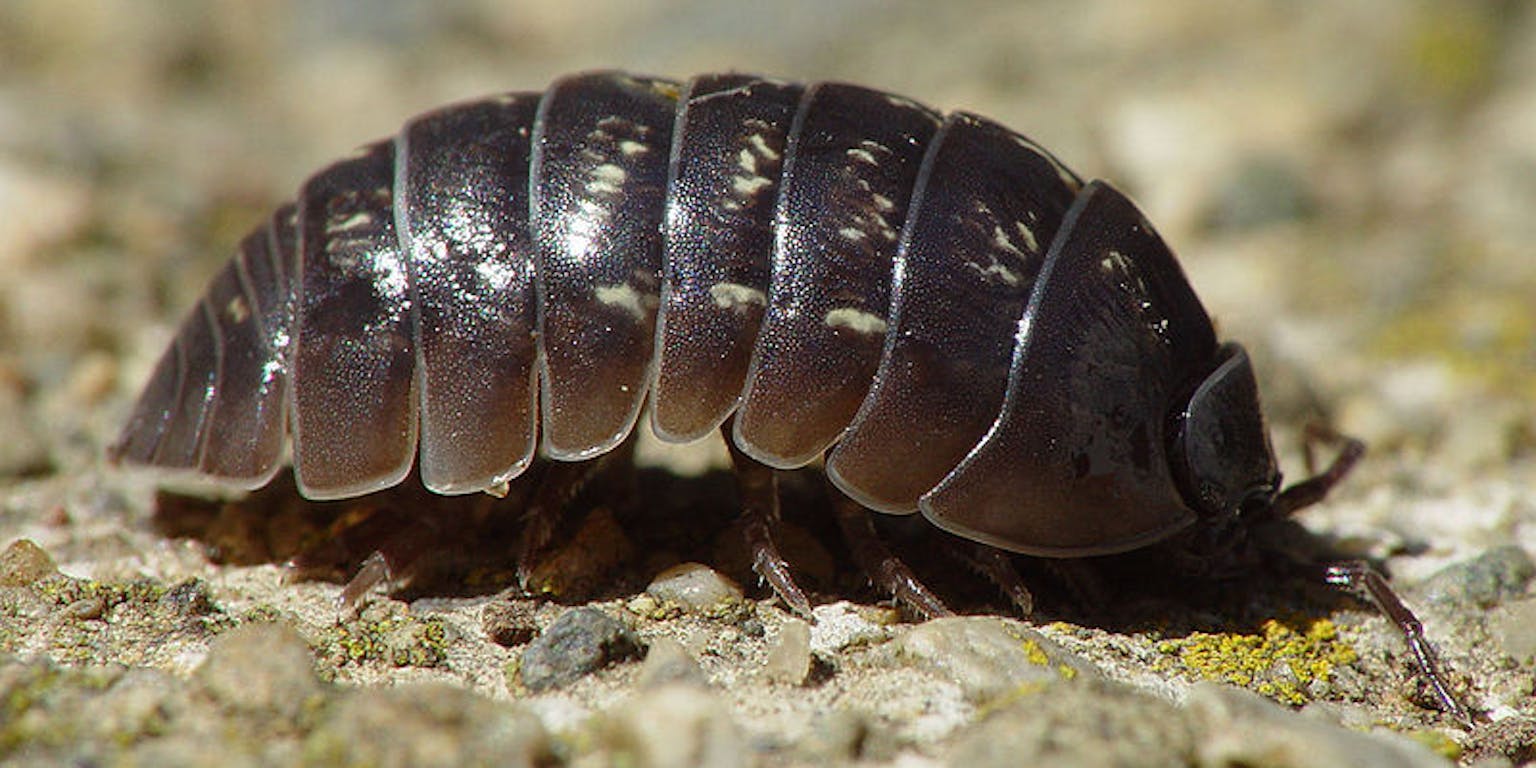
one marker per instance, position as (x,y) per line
(955,318)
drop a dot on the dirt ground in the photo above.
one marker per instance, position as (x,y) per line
(1350,187)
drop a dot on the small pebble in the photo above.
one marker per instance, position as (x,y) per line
(837,737)
(509,622)
(86,608)
(789,662)
(578,642)
(188,598)
(990,657)
(697,589)
(260,669)
(673,726)
(842,625)
(1490,578)
(24,562)
(666,662)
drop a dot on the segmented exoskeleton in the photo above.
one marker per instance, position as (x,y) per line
(956,320)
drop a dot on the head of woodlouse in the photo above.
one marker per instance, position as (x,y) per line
(1223,461)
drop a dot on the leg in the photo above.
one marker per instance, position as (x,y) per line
(883,568)
(1361,579)
(1313,489)
(996,566)
(759,490)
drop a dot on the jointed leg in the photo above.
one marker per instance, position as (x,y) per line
(1361,579)
(758,487)
(996,566)
(884,569)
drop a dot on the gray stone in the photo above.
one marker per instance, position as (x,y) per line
(672,726)
(509,622)
(1486,580)
(188,598)
(426,725)
(578,642)
(1088,726)
(24,562)
(696,588)
(1260,190)
(789,662)
(1514,627)
(843,625)
(667,662)
(990,657)
(1238,727)
(260,669)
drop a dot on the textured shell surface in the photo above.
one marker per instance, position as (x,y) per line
(956,320)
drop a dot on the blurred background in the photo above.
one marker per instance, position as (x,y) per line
(1351,186)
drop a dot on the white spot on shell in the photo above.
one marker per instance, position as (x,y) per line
(760,147)
(883,203)
(622,297)
(856,320)
(863,156)
(632,148)
(852,233)
(749,186)
(737,297)
(357,220)
(237,310)
(1028,235)
(747,161)
(997,270)
(1001,242)
(606,179)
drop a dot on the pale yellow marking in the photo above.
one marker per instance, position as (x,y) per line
(1000,241)
(623,297)
(749,186)
(863,156)
(237,309)
(1000,272)
(737,297)
(632,148)
(355,221)
(747,161)
(856,320)
(760,146)
(883,203)
(606,179)
(1028,235)
(852,233)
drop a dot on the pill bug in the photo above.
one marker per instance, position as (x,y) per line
(960,324)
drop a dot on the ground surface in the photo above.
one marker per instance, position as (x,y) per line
(1351,190)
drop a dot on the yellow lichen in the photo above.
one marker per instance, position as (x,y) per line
(1281,661)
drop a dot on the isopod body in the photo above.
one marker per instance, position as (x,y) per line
(957,321)
(961,325)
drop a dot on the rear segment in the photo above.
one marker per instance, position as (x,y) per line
(216,404)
